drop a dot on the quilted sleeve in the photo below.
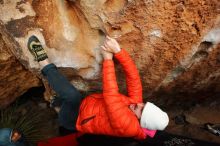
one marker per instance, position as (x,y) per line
(121,118)
(134,86)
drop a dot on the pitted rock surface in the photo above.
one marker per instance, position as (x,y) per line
(174,43)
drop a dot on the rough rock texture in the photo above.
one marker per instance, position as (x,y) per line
(174,43)
(15,79)
(163,37)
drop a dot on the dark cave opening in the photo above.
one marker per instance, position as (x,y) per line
(32,102)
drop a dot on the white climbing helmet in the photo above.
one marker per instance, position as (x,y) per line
(153,118)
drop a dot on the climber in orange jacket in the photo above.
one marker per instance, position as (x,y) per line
(109,112)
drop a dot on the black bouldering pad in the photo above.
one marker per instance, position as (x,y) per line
(166,139)
(161,139)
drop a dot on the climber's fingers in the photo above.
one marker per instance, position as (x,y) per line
(104,48)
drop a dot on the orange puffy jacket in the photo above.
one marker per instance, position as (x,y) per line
(109,113)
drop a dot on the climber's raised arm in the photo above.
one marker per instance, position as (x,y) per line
(134,87)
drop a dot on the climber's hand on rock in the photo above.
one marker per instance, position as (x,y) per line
(111,45)
(106,55)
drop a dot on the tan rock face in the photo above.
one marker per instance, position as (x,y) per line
(167,40)
(174,43)
(15,79)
